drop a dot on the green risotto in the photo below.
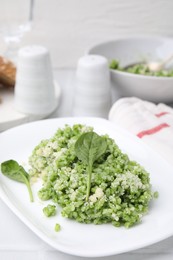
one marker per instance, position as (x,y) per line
(140,69)
(120,189)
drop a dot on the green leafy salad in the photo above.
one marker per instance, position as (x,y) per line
(140,69)
(90,178)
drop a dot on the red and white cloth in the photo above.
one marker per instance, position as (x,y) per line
(152,123)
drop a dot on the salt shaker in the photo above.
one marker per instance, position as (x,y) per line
(92,91)
(34,89)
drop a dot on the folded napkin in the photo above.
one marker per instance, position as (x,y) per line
(151,123)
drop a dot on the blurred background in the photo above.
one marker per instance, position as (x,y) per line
(69,27)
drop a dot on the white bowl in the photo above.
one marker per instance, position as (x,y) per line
(132,50)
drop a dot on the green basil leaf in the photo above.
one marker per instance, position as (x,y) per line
(88,148)
(16,172)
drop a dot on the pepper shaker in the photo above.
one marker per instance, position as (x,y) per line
(92,89)
(34,89)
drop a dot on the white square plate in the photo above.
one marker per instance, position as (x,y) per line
(86,239)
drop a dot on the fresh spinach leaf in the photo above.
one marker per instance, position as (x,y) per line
(88,148)
(16,172)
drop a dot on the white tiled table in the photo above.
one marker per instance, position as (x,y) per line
(17,242)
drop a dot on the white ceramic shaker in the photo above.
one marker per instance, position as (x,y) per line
(34,89)
(92,95)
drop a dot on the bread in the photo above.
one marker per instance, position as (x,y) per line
(7,72)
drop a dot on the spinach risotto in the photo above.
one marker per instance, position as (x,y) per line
(90,178)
